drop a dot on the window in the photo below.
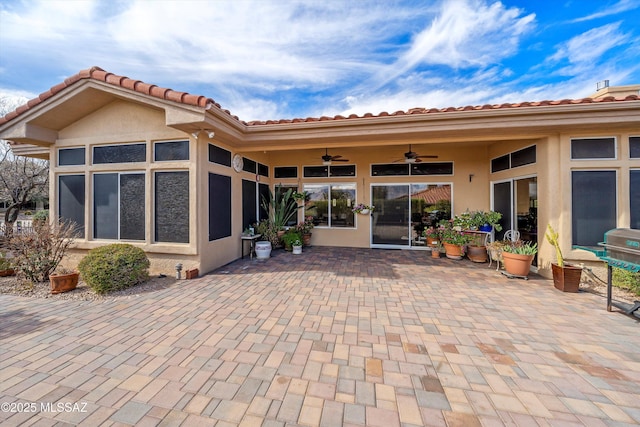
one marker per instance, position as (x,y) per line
(171,150)
(346,170)
(172,207)
(71,200)
(118,206)
(501,163)
(249,165)
(263,170)
(122,153)
(634,147)
(593,148)
(593,202)
(219,206)
(330,205)
(219,155)
(71,156)
(280,191)
(249,203)
(526,156)
(432,168)
(390,169)
(315,171)
(285,172)
(634,196)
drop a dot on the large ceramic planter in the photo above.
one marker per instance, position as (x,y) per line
(453,251)
(63,282)
(297,250)
(263,250)
(516,264)
(566,278)
(306,239)
(477,253)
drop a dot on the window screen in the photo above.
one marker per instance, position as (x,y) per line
(593,148)
(634,147)
(118,206)
(249,165)
(219,155)
(171,150)
(71,156)
(249,203)
(526,156)
(263,170)
(71,200)
(390,169)
(285,172)
(125,153)
(315,171)
(172,207)
(219,206)
(500,163)
(593,202)
(343,170)
(432,168)
(634,195)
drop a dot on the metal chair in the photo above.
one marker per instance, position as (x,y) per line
(512,235)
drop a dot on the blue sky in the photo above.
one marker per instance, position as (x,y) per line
(278,59)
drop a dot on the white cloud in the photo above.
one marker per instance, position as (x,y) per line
(608,10)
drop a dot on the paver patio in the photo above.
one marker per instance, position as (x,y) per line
(333,337)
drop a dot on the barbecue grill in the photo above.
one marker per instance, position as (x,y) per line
(621,250)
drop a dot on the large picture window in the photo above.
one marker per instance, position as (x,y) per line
(71,200)
(330,204)
(172,207)
(118,206)
(593,203)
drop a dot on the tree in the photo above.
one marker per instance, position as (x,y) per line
(22,179)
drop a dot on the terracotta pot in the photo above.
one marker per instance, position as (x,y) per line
(477,253)
(566,278)
(192,274)
(453,251)
(435,254)
(516,264)
(306,239)
(433,242)
(7,272)
(63,282)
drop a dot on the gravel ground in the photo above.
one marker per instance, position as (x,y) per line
(12,286)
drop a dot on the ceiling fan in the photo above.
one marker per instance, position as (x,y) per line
(327,159)
(413,157)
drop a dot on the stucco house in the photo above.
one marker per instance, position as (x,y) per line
(180,177)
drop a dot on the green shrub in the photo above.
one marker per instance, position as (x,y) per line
(114,267)
(627,280)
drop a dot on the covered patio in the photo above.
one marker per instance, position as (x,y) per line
(336,336)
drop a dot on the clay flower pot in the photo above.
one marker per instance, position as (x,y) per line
(477,253)
(516,264)
(63,282)
(566,278)
(453,251)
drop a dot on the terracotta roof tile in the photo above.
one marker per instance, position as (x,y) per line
(99,74)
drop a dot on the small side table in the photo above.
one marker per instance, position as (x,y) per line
(252,243)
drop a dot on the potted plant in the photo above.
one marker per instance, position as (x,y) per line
(6,268)
(432,236)
(363,209)
(454,241)
(517,257)
(476,249)
(268,239)
(63,280)
(487,220)
(437,250)
(297,246)
(304,228)
(566,277)
(290,237)
(280,209)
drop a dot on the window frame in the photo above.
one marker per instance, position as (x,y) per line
(155,143)
(83,226)
(93,153)
(84,160)
(329,204)
(155,206)
(118,225)
(615,193)
(591,159)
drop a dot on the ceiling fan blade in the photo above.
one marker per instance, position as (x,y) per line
(340,160)
(427,156)
(336,157)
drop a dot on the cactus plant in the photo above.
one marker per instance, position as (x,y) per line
(552,237)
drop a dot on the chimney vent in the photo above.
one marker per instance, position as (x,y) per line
(602,84)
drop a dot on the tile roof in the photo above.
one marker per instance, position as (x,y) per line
(99,74)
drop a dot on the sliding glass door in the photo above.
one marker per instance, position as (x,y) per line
(402,211)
